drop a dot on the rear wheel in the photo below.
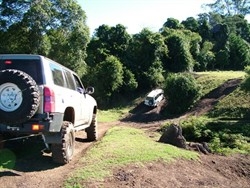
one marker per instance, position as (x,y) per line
(92,129)
(63,152)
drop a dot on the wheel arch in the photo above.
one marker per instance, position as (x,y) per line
(69,115)
(95,110)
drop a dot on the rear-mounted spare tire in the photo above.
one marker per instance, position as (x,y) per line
(19,97)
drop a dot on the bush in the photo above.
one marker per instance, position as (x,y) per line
(246,83)
(182,92)
(196,130)
(222,136)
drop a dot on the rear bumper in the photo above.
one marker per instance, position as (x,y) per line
(38,123)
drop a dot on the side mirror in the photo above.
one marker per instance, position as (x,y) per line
(89,90)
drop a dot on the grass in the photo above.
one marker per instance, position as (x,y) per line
(234,106)
(211,80)
(117,113)
(112,114)
(122,146)
(7,159)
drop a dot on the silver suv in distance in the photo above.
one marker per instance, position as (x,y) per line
(40,96)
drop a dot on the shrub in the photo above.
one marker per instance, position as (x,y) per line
(182,92)
(196,130)
(246,83)
(222,136)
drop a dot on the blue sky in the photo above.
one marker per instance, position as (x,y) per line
(138,14)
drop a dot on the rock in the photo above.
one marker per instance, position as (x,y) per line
(173,135)
(200,147)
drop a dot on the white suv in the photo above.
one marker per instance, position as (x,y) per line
(40,96)
(154,97)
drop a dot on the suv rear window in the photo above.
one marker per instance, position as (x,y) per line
(29,66)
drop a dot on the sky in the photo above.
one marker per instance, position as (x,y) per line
(138,14)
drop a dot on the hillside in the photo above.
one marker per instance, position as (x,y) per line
(212,170)
(143,113)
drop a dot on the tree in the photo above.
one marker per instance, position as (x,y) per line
(108,41)
(191,24)
(32,27)
(12,12)
(204,29)
(107,78)
(16,40)
(129,83)
(230,7)
(206,58)
(239,53)
(246,83)
(239,26)
(172,23)
(146,50)
(222,59)
(154,75)
(182,91)
(220,34)
(179,57)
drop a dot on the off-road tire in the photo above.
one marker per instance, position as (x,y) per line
(19,96)
(91,131)
(63,152)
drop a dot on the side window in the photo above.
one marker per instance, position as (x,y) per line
(69,80)
(78,82)
(57,75)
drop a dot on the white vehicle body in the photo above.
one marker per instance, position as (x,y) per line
(39,95)
(154,97)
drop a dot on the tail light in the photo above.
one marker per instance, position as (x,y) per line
(8,62)
(49,99)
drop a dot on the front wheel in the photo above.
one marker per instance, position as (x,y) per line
(63,152)
(92,129)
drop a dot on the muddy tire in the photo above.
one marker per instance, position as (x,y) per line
(63,152)
(92,129)
(19,97)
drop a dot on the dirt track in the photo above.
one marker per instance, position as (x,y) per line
(212,171)
(38,170)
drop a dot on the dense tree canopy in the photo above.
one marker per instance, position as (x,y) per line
(230,7)
(108,78)
(108,41)
(48,27)
(144,56)
(117,63)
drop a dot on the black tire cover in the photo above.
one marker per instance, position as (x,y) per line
(29,92)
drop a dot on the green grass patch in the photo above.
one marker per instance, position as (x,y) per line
(112,114)
(211,80)
(236,105)
(123,146)
(115,114)
(7,159)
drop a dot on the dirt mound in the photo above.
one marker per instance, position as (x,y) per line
(212,98)
(142,113)
(210,171)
